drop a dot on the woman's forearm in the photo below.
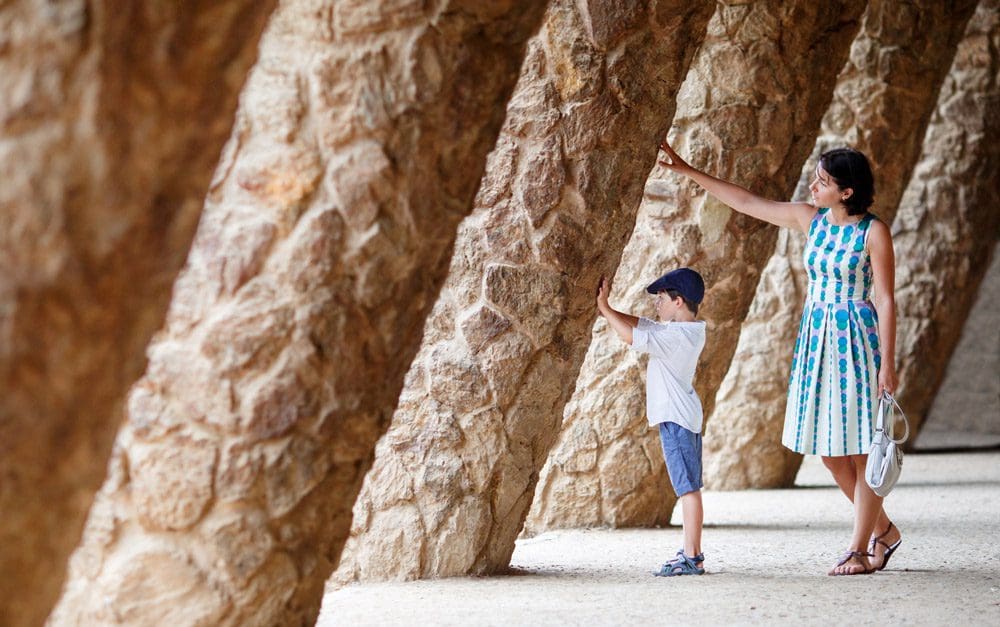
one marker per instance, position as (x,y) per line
(731,194)
(885,307)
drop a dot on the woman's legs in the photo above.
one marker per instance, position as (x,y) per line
(869,516)
(867,507)
(842,469)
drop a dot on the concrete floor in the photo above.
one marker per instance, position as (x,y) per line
(767,552)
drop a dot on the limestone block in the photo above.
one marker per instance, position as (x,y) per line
(556,206)
(882,100)
(747,112)
(112,118)
(362,133)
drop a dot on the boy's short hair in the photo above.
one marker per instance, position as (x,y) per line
(693,307)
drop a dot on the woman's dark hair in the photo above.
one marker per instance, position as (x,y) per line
(850,168)
(692,306)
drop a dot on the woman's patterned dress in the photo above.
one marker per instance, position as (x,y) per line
(833,388)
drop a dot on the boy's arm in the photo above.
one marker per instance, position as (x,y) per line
(622,323)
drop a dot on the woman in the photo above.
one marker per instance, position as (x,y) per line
(844,354)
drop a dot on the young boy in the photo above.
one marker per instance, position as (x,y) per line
(673,346)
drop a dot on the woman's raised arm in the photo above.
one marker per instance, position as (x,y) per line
(793,215)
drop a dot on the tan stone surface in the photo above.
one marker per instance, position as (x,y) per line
(748,112)
(362,133)
(948,222)
(455,474)
(883,98)
(112,117)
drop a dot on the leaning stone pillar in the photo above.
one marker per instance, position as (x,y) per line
(966,407)
(361,136)
(948,221)
(455,474)
(883,99)
(748,112)
(112,116)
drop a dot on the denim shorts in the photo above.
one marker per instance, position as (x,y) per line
(682,453)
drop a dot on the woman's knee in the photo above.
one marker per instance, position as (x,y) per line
(835,464)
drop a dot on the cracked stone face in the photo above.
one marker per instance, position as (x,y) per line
(112,119)
(323,241)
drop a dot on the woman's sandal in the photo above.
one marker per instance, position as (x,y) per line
(853,555)
(682,565)
(889,549)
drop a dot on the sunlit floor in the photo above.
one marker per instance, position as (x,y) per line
(767,552)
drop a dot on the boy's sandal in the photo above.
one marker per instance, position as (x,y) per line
(681,565)
(889,549)
(697,559)
(853,555)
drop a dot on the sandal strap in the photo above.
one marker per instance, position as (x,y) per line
(878,539)
(849,555)
(694,558)
(886,532)
(682,565)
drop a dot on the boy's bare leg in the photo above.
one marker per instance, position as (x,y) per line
(846,472)
(693,515)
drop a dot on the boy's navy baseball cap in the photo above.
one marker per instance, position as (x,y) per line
(684,281)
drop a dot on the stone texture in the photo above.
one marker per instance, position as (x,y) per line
(112,117)
(748,112)
(966,409)
(948,222)
(362,133)
(883,98)
(481,407)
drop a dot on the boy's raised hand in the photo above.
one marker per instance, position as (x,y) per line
(603,289)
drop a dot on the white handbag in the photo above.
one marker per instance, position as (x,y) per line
(885,458)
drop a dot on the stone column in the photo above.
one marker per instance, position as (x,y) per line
(748,112)
(883,98)
(966,410)
(112,117)
(455,474)
(948,221)
(361,136)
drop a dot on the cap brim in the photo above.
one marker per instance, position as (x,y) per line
(659,285)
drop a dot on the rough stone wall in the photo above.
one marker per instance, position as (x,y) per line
(966,409)
(948,221)
(455,474)
(883,98)
(748,112)
(362,133)
(112,117)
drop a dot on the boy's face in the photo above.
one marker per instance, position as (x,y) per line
(667,308)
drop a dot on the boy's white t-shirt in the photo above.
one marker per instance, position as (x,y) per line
(673,349)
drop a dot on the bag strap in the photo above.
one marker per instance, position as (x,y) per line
(887,402)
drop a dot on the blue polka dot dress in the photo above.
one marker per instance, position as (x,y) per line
(834,381)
